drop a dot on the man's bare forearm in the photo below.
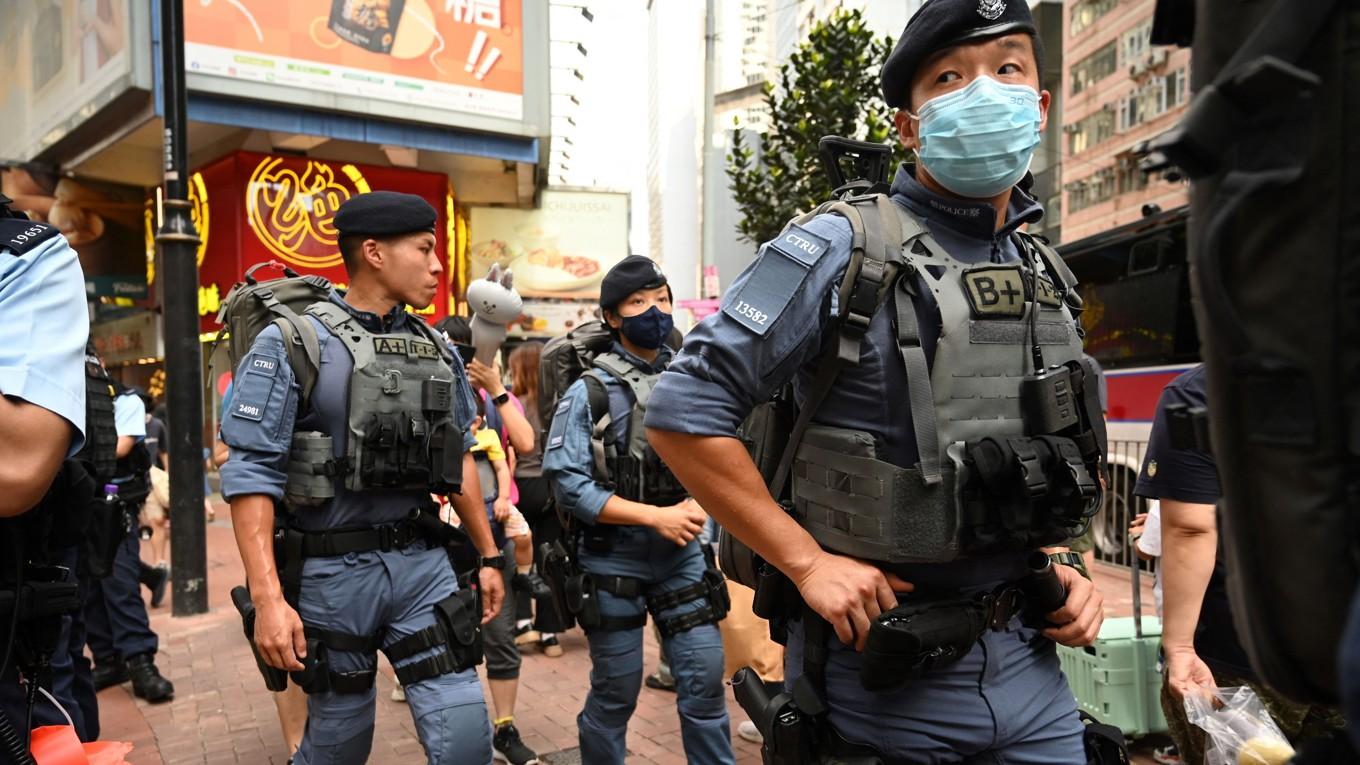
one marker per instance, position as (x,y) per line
(718,472)
(252,520)
(33,443)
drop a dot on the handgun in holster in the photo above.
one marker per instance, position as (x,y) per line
(275,679)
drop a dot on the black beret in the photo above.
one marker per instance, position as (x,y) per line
(941,24)
(384,213)
(633,273)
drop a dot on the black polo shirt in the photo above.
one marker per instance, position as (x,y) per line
(1189,475)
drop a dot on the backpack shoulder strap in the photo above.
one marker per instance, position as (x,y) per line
(1053,263)
(876,239)
(598,398)
(304,351)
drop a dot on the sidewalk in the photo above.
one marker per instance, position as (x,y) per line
(222,713)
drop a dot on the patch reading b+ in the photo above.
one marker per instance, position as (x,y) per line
(995,291)
(778,274)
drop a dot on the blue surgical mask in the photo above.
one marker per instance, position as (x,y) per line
(648,329)
(978,141)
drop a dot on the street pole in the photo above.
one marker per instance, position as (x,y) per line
(177,242)
(708,175)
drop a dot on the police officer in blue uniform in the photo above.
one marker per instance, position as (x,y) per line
(906,385)
(42,423)
(116,622)
(386,423)
(638,544)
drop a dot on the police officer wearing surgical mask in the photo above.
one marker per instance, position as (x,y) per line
(908,501)
(638,536)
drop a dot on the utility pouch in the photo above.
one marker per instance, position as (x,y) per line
(909,641)
(311,470)
(446,460)
(105,532)
(460,614)
(552,614)
(583,600)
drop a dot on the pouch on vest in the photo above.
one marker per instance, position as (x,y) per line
(859,505)
(460,614)
(311,470)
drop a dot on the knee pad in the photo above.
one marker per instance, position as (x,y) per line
(455,734)
(343,735)
(612,699)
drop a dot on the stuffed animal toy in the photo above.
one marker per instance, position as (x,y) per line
(494,303)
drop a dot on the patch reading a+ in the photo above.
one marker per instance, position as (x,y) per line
(778,274)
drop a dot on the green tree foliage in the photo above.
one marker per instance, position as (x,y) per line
(828,87)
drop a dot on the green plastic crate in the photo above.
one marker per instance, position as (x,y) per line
(1116,680)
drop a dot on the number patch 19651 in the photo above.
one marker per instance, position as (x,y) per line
(749,311)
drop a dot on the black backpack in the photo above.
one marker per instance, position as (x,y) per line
(1273,242)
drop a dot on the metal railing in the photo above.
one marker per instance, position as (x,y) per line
(1109,528)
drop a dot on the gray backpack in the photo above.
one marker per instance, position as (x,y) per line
(252,305)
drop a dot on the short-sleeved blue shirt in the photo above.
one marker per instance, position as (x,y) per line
(1189,475)
(777,313)
(259,423)
(44,323)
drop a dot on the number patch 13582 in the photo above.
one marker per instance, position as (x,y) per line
(749,311)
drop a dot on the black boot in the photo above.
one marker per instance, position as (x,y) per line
(155,578)
(147,682)
(108,672)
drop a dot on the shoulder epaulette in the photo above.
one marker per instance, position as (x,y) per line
(19,235)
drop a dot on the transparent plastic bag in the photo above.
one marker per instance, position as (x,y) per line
(1239,729)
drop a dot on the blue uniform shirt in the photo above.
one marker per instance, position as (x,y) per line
(43,327)
(776,314)
(567,460)
(263,415)
(129,415)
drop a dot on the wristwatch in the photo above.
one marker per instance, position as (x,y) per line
(1072,559)
(501,399)
(495,561)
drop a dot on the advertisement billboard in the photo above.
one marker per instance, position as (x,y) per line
(253,208)
(63,61)
(562,249)
(440,56)
(101,221)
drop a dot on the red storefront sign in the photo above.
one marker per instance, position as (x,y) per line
(252,208)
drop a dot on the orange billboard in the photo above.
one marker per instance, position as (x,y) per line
(457,55)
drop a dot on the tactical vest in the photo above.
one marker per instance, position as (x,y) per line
(101,435)
(401,433)
(630,465)
(1008,456)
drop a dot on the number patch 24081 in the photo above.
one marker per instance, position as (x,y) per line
(749,311)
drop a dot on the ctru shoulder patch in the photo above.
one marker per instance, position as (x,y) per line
(777,275)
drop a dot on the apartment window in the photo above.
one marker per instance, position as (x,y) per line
(1085,13)
(1135,43)
(1177,87)
(1127,175)
(1094,68)
(1091,190)
(1091,130)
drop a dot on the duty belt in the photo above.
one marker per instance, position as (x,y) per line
(385,537)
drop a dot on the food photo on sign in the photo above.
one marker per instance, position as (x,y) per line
(562,249)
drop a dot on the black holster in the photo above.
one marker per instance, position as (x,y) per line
(108,526)
(460,614)
(551,614)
